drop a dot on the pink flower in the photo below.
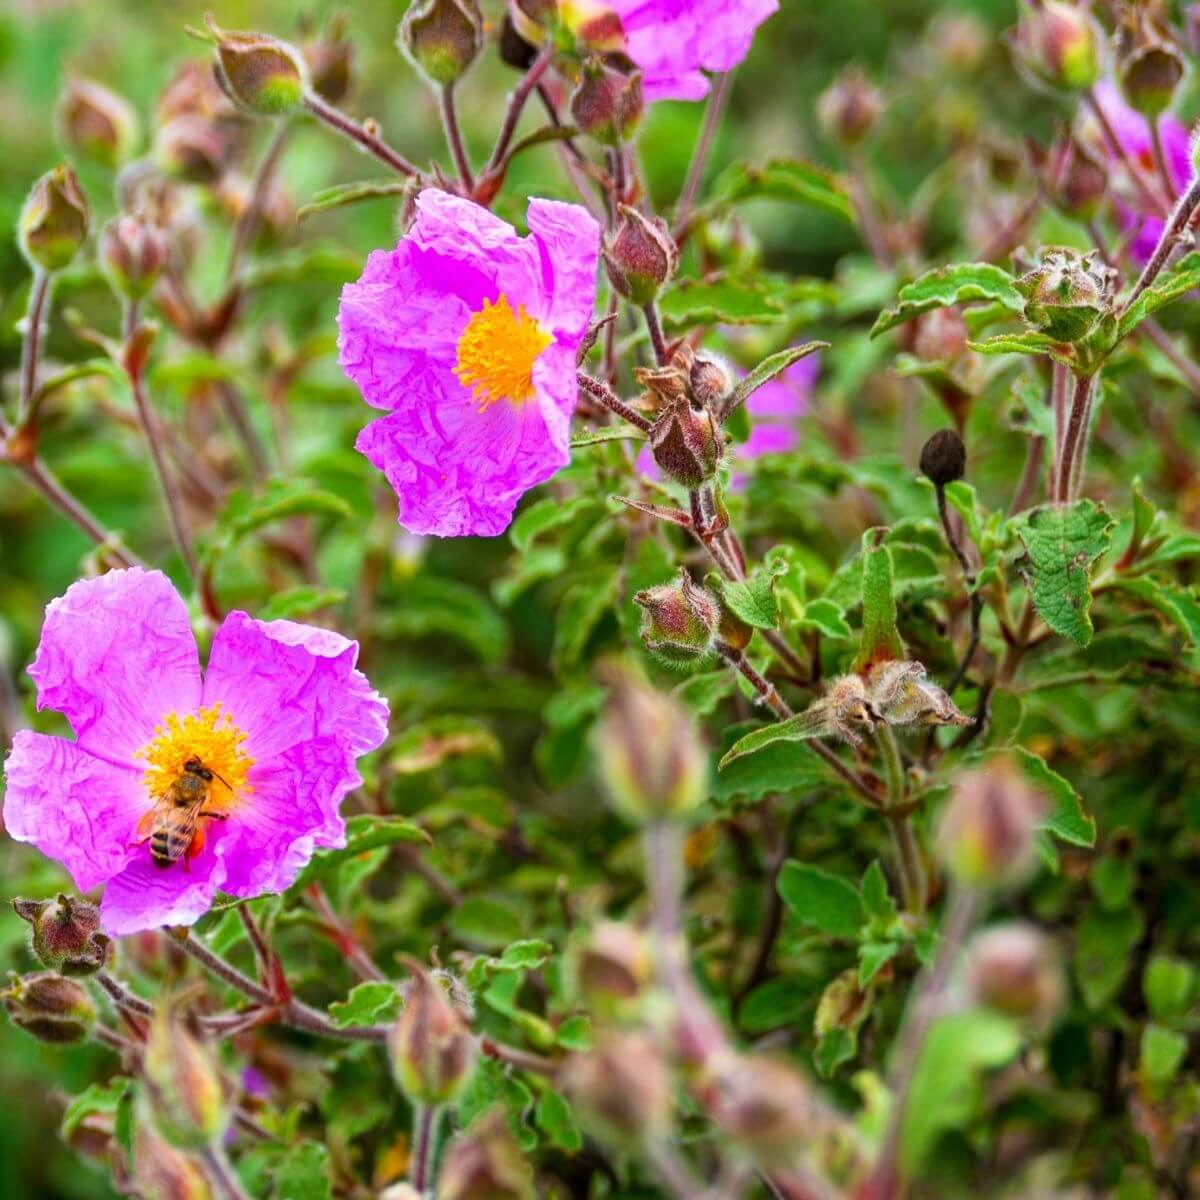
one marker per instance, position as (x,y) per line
(674,41)
(467,335)
(1133,132)
(276,723)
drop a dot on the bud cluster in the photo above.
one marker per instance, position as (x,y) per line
(1067,293)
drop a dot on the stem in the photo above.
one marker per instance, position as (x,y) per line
(1029,476)
(1173,230)
(714,112)
(235,411)
(364,135)
(1117,147)
(425,1124)
(654,326)
(223,970)
(251,216)
(1060,385)
(908,850)
(221,1171)
(603,394)
(516,103)
(454,136)
(974,599)
(673,1170)
(123,997)
(1160,158)
(1075,437)
(362,963)
(31,346)
(113,1040)
(172,501)
(523,1060)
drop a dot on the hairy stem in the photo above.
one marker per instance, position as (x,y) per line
(600,391)
(454,138)
(654,327)
(365,135)
(904,837)
(31,345)
(974,599)
(220,1171)
(1149,196)
(516,103)
(1172,232)
(714,112)
(425,1127)
(1075,438)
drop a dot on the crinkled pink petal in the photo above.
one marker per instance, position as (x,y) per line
(459,467)
(74,807)
(675,41)
(116,655)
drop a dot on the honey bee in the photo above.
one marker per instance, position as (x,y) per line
(172,826)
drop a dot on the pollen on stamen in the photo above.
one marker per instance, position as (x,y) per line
(209,735)
(496,353)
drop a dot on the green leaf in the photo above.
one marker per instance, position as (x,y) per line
(554,1119)
(785,179)
(809,724)
(1176,605)
(1067,818)
(834,1048)
(484,922)
(719,300)
(582,608)
(827,618)
(1028,343)
(1169,986)
(957,284)
(877,900)
(1163,1051)
(276,500)
(426,606)
(752,599)
(299,602)
(817,898)
(1061,544)
(783,767)
(1173,283)
(114,1099)
(342,194)
(363,833)
(880,641)
(304,1173)
(608,433)
(873,957)
(766,370)
(524,955)
(775,1003)
(575,1033)
(549,514)
(428,745)
(1104,952)
(369,1003)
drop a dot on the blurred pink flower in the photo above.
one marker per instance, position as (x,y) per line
(467,334)
(279,718)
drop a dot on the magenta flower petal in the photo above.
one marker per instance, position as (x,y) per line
(73,806)
(675,41)
(116,653)
(467,334)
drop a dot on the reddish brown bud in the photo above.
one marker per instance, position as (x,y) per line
(607,104)
(183,1082)
(259,73)
(164,1172)
(514,49)
(1015,969)
(192,148)
(441,38)
(944,458)
(66,934)
(330,62)
(764,1106)
(641,256)
(54,221)
(97,123)
(621,1089)
(50,1007)
(1149,66)
(1059,44)
(611,965)
(679,620)
(849,108)
(133,253)
(485,1163)
(1078,180)
(686,442)
(649,754)
(432,1049)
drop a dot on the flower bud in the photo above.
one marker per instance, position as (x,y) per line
(530,19)
(940,336)
(183,1081)
(849,108)
(485,1163)
(330,62)
(1066,294)
(1078,180)
(764,1106)
(709,380)
(514,49)
(66,934)
(259,73)
(1015,969)
(441,38)
(1059,44)
(193,91)
(1149,66)
(648,753)
(686,442)
(191,149)
(50,1007)
(611,965)
(960,41)
(987,832)
(607,104)
(432,1050)
(640,257)
(165,1173)
(55,220)
(97,123)
(679,620)
(132,254)
(621,1089)
(944,458)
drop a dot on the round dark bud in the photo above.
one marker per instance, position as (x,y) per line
(944,458)
(514,49)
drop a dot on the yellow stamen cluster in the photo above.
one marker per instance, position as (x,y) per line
(496,353)
(208,734)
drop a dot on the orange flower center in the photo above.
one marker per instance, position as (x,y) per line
(496,353)
(208,735)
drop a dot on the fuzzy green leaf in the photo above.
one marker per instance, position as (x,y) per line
(785,179)
(363,833)
(368,1004)
(1177,281)
(720,300)
(304,1173)
(957,284)
(1067,818)
(766,370)
(1176,605)
(880,641)
(817,898)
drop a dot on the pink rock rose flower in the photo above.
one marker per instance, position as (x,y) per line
(275,724)
(467,335)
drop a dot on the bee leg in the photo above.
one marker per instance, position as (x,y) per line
(216,816)
(195,847)
(143,830)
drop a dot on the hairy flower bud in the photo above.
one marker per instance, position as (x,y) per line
(640,257)
(54,221)
(686,442)
(514,49)
(621,1089)
(763,1105)
(709,380)
(648,753)
(50,1007)
(97,123)
(1149,64)
(611,965)
(987,832)
(133,253)
(1060,44)
(66,934)
(330,60)
(1066,294)
(183,1081)
(441,38)
(849,108)
(1078,180)
(162,1171)
(259,73)
(607,104)
(679,620)
(432,1049)
(944,458)
(1015,969)
(485,1163)
(191,148)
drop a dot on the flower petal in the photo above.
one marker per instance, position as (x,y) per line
(284,683)
(116,655)
(568,239)
(74,807)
